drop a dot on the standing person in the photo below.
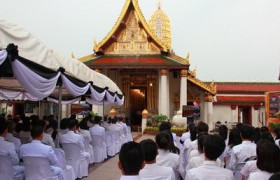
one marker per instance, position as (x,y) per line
(233,140)
(151,170)
(131,161)
(213,146)
(268,160)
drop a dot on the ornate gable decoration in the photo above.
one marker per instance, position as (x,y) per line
(130,35)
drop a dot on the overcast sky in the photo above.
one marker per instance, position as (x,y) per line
(228,40)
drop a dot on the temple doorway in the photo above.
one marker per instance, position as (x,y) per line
(138,102)
(244,114)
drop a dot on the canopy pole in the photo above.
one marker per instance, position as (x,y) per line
(103,110)
(59,113)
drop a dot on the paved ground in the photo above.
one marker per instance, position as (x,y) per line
(108,170)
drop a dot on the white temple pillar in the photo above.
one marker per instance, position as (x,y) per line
(210,120)
(178,119)
(164,98)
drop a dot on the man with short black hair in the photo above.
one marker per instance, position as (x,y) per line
(153,171)
(131,161)
(37,149)
(10,137)
(213,146)
(246,149)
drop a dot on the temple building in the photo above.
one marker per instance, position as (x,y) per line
(138,57)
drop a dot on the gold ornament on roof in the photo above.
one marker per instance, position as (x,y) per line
(160,26)
(187,59)
(72,55)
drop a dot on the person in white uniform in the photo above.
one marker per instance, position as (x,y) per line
(151,170)
(246,149)
(47,138)
(131,161)
(10,137)
(8,149)
(268,160)
(214,146)
(38,149)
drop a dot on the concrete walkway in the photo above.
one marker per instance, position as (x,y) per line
(109,170)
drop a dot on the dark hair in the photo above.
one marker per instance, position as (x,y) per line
(202,127)
(239,126)
(200,138)
(25,124)
(39,123)
(72,123)
(267,135)
(73,116)
(275,177)
(193,132)
(64,123)
(257,135)
(83,124)
(131,158)
(234,137)
(268,156)
(11,126)
(3,125)
(97,119)
(264,129)
(113,120)
(149,148)
(214,146)
(277,132)
(36,131)
(223,131)
(247,131)
(163,140)
(165,126)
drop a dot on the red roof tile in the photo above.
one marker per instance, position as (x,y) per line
(247,87)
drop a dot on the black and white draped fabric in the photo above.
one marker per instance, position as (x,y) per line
(39,71)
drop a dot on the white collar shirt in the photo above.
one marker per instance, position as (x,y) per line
(167,159)
(9,137)
(8,149)
(193,154)
(192,146)
(197,161)
(97,130)
(86,134)
(71,137)
(241,152)
(38,149)
(130,177)
(249,167)
(156,172)
(262,175)
(48,140)
(185,136)
(209,170)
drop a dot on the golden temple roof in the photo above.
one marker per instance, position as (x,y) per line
(160,26)
(142,20)
(209,88)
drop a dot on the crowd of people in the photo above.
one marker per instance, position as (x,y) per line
(31,148)
(242,153)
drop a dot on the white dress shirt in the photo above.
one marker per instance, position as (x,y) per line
(14,140)
(71,137)
(241,152)
(193,154)
(209,170)
(197,161)
(249,167)
(86,134)
(185,136)
(156,172)
(167,159)
(48,140)
(8,148)
(130,177)
(261,175)
(192,146)
(97,130)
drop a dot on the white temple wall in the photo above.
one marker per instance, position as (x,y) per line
(174,88)
(258,116)
(223,113)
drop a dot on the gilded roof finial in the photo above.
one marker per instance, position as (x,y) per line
(213,86)
(194,71)
(187,60)
(159,4)
(72,55)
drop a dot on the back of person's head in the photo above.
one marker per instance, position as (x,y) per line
(26,124)
(72,123)
(97,119)
(54,124)
(64,123)
(277,133)
(214,146)
(268,156)
(72,116)
(267,135)
(113,120)
(11,126)
(36,131)
(275,177)
(39,123)
(3,126)
(163,140)
(131,159)
(223,131)
(247,132)
(257,135)
(149,148)
(83,124)
(165,126)
(264,129)
(239,126)
(234,137)
(202,127)
(200,138)
(193,132)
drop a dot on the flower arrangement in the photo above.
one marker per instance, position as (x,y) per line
(155,130)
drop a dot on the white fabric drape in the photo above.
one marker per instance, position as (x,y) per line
(15,95)
(73,88)
(64,101)
(3,56)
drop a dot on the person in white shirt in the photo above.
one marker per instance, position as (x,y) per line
(268,160)
(131,161)
(248,168)
(38,149)
(165,157)
(213,146)
(246,149)
(10,137)
(47,138)
(8,149)
(64,126)
(151,170)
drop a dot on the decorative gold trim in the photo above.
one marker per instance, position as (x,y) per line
(184,73)
(178,59)
(163,72)
(86,58)
(121,17)
(211,89)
